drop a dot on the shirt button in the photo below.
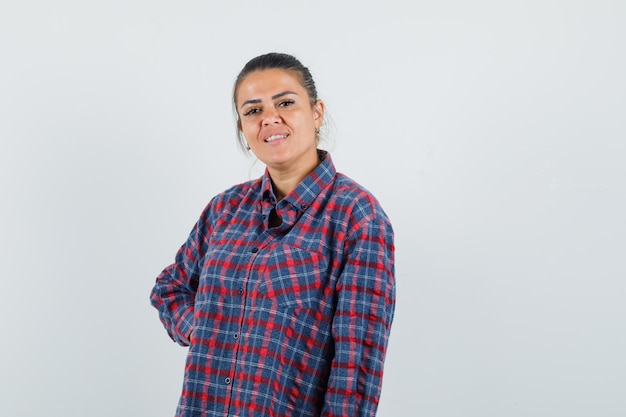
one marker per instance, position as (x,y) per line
(240,291)
(236,335)
(255,250)
(227,381)
(303,207)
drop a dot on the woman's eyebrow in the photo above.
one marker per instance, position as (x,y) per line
(274,97)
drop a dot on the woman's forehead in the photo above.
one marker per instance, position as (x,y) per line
(267,83)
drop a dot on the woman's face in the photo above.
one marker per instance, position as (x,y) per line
(278,121)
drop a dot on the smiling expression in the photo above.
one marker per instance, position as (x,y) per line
(278,121)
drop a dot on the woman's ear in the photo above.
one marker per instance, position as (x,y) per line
(318,113)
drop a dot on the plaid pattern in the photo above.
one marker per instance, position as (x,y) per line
(290,320)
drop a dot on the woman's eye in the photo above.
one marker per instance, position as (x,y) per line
(251,111)
(285,103)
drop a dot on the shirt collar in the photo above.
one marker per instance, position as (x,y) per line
(309,188)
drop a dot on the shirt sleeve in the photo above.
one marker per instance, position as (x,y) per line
(362,321)
(175,289)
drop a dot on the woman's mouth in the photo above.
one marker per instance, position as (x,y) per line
(275,137)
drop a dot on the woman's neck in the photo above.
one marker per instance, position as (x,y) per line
(284,182)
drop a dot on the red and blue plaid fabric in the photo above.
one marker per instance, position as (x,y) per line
(285,321)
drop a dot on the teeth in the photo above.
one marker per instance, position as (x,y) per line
(274,137)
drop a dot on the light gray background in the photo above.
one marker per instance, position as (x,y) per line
(492,132)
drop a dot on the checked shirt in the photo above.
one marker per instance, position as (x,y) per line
(283,321)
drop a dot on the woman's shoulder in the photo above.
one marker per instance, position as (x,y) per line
(234,196)
(357,199)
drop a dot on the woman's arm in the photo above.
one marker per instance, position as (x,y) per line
(174,293)
(362,322)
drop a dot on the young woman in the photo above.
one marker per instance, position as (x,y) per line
(285,288)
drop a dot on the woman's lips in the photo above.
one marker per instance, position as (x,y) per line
(275,137)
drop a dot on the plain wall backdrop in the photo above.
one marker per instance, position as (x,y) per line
(492,132)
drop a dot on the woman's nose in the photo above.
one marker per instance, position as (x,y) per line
(270,115)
